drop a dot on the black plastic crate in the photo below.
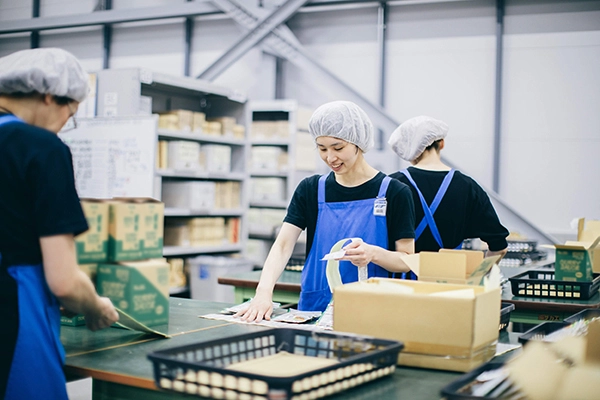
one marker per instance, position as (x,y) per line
(505,310)
(539,332)
(586,314)
(201,369)
(521,246)
(295,264)
(538,283)
(459,389)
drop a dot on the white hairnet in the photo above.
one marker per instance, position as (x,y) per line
(411,138)
(344,120)
(46,71)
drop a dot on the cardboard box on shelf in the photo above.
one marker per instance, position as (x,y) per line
(183,155)
(140,288)
(267,189)
(177,233)
(92,245)
(216,157)
(191,195)
(198,121)
(163,154)
(227,124)
(463,267)
(125,235)
(213,128)
(577,261)
(239,131)
(442,326)
(176,120)
(153,213)
(265,158)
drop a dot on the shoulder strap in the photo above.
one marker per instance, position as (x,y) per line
(321,188)
(5,119)
(428,211)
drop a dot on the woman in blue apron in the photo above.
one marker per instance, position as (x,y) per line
(354,200)
(39,215)
(449,205)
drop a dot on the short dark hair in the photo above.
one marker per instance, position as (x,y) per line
(435,145)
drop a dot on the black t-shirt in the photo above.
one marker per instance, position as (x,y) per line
(464,212)
(37,192)
(400,214)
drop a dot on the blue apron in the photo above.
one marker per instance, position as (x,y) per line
(336,221)
(36,370)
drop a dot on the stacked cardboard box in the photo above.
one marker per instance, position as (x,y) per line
(202,195)
(176,120)
(270,129)
(267,189)
(204,231)
(183,155)
(215,158)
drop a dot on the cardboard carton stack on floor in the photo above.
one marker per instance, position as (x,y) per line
(450,326)
(125,242)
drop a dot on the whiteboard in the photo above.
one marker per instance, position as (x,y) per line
(113,157)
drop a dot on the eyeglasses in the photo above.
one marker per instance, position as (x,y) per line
(72,121)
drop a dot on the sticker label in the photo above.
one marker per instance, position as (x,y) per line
(380,206)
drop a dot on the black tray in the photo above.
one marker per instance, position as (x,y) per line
(452,390)
(540,331)
(505,311)
(586,314)
(201,369)
(541,284)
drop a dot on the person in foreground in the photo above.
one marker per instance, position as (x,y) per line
(40,214)
(450,206)
(353,201)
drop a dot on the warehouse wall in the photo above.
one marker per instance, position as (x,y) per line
(440,62)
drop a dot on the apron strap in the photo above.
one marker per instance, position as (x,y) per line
(321,189)
(5,119)
(384,187)
(430,210)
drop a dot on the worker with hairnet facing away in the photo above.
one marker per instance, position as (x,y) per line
(354,200)
(449,205)
(40,213)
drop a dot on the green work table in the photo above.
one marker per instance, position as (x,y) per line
(117,361)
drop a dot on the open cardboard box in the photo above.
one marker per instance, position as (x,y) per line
(542,373)
(442,326)
(464,267)
(576,261)
(587,231)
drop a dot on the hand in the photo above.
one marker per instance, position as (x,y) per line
(358,253)
(103,316)
(261,307)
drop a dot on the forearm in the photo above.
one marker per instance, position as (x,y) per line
(279,255)
(66,281)
(389,260)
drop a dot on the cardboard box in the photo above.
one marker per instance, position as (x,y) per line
(216,158)
(191,195)
(227,125)
(565,369)
(183,155)
(441,327)
(576,261)
(152,229)
(125,235)
(198,121)
(587,231)
(92,245)
(140,288)
(463,267)
(267,189)
(176,120)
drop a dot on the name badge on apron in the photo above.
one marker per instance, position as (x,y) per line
(380,206)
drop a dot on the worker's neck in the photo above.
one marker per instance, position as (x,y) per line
(23,108)
(430,160)
(360,173)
